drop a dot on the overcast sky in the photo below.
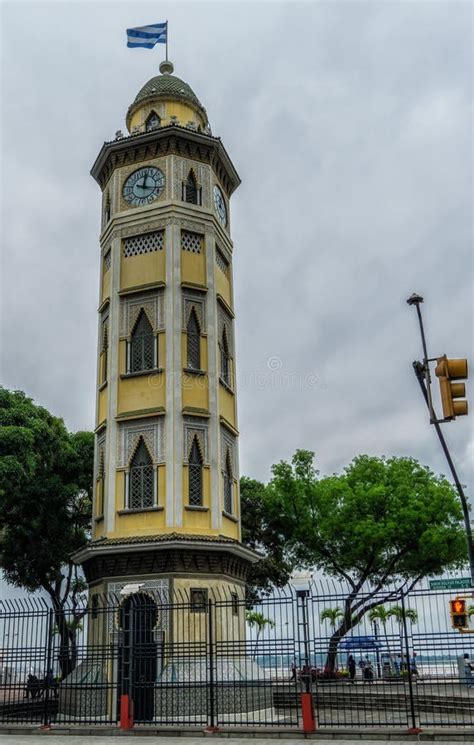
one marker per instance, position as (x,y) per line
(349,124)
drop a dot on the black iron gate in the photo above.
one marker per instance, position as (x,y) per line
(209,660)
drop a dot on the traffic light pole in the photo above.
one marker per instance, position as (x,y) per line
(422,372)
(419,369)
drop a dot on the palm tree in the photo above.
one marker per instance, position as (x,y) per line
(380,613)
(400,614)
(470,611)
(255,618)
(331,615)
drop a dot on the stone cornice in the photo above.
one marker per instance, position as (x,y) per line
(166,141)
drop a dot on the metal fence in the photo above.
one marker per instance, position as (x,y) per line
(211,661)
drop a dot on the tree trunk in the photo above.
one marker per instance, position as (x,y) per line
(65,660)
(331,657)
(256,643)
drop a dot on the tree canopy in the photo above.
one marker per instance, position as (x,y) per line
(273,570)
(384,523)
(45,499)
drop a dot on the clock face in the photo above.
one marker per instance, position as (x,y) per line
(143,186)
(219,205)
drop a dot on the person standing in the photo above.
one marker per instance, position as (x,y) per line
(465,670)
(351,666)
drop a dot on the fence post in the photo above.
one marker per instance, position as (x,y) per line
(49,650)
(307,703)
(212,718)
(414,729)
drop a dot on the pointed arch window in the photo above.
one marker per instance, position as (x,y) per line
(191,190)
(193,342)
(153,121)
(141,479)
(195,475)
(142,345)
(225,359)
(228,485)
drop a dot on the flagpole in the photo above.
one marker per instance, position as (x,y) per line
(167,40)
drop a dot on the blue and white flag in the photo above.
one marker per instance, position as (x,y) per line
(147,36)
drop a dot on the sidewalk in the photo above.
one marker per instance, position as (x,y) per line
(34,737)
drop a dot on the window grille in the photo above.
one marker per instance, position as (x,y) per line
(191,242)
(100,481)
(195,475)
(107,209)
(137,245)
(228,486)
(141,479)
(191,191)
(222,262)
(104,350)
(198,600)
(225,359)
(107,260)
(193,342)
(153,122)
(142,345)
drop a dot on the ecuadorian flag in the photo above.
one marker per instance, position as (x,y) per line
(147,36)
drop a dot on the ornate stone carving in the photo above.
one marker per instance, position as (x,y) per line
(144,227)
(196,427)
(228,445)
(153,305)
(129,434)
(181,168)
(224,320)
(197,300)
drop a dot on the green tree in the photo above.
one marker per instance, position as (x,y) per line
(273,570)
(381,614)
(257,619)
(331,615)
(384,522)
(470,611)
(45,509)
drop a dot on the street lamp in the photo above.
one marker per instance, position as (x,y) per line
(301,583)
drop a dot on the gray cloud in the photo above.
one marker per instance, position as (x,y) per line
(350,126)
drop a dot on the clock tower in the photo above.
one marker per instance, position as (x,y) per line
(166,512)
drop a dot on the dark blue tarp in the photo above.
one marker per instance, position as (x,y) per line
(359,642)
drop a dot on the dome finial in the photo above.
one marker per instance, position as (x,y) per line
(166,67)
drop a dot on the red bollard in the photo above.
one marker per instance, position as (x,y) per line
(126,712)
(307,710)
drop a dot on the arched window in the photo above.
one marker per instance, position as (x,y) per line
(228,485)
(142,345)
(153,121)
(191,191)
(141,479)
(195,475)
(225,358)
(193,342)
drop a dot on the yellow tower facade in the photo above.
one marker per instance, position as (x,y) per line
(166,511)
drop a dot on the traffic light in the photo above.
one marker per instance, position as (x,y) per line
(458,611)
(448,370)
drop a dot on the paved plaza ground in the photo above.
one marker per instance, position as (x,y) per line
(127,740)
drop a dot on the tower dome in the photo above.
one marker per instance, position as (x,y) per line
(171,100)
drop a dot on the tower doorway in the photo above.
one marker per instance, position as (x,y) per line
(138,653)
